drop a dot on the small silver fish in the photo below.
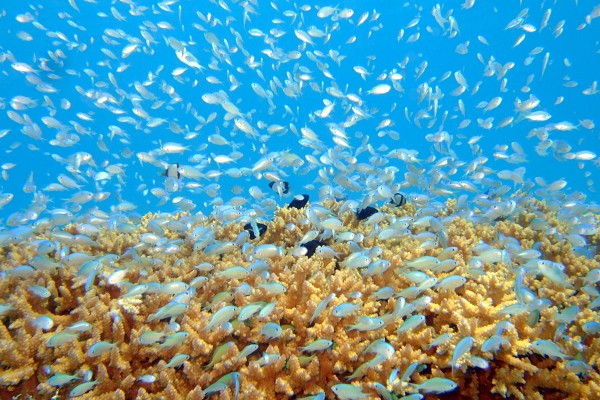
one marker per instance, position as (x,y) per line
(271,330)
(174,340)
(61,379)
(346,391)
(463,347)
(61,338)
(411,323)
(367,324)
(82,388)
(100,348)
(317,345)
(548,348)
(177,360)
(344,309)
(436,385)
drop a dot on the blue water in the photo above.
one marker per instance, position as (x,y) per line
(376,48)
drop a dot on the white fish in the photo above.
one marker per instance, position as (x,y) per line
(539,116)
(173,148)
(189,59)
(462,347)
(303,36)
(82,388)
(345,391)
(382,88)
(100,348)
(225,314)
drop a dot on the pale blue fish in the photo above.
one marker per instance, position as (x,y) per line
(103,347)
(360,371)
(247,351)
(177,360)
(519,288)
(273,287)
(79,326)
(258,266)
(245,289)
(494,344)
(268,359)
(463,347)
(170,310)
(235,272)
(221,297)
(219,353)
(578,367)
(410,370)
(552,271)
(548,348)
(317,345)
(402,308)
(514,309)
(367,324)
(384,293)
(436,385)
(61,338)
(592,277)
(321,307)
(265,251)
(136,290)
(174,339)
(271,330)
(411,323)
(174,288)
(326,252)
(413,396)
(82,388)
(376,268)
(356,260)
(451,282)
(382,348)
(43,322)
(249,310)
(344,309)
(478,362)
(216,387)
(224,314)
(89,281)
(410,292)
(445,266)
(383,392)
(345,391)
(59,379)
(231,379)
(393,376)
(567,315)
(423,263)
(148,378)
(185,297)
(591,327)
(441,339)
(150,337)
(40,291)
(267,309)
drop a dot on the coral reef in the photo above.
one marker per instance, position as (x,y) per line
(278,368)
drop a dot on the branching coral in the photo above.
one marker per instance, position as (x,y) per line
(279,368)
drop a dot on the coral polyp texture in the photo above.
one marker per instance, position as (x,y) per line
(422,300)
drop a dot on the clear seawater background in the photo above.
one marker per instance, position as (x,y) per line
(378,50)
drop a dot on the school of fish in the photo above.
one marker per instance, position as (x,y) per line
(242,199)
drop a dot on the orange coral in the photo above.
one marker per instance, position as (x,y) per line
(471,310)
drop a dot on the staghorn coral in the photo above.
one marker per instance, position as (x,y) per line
(475,309)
